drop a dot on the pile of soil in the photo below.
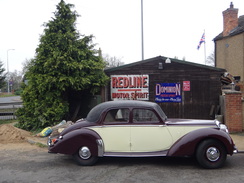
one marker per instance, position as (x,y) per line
(11,134)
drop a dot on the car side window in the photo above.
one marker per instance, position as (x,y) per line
(117,115)
(144,116)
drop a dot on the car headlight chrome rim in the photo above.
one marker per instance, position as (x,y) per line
(221,126)
(224,128)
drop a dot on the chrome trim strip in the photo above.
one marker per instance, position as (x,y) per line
(136,125)
(136,154)
(156,125)
(100,147)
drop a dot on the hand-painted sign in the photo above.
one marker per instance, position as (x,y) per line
(130,87)
(168,92)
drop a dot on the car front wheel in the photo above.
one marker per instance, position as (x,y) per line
(84,157)
(211,154)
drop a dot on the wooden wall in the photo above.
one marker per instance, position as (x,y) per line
(204,82)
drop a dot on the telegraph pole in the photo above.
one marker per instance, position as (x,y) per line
(142,36)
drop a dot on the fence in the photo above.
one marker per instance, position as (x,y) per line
(7,110)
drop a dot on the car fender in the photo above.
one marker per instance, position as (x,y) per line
(187,144)
(72,141)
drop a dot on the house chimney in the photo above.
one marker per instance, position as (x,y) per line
(230,19)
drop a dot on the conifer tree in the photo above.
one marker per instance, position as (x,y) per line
(2,75)
(66,63)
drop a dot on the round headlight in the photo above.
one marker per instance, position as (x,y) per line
(224,128)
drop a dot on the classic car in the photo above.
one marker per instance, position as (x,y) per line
(131,128)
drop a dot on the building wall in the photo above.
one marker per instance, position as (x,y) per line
(205,86)
(233,111)
(230,54)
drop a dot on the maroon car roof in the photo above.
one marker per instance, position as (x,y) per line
(95,113)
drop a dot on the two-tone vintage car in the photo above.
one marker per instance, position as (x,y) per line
(141,129)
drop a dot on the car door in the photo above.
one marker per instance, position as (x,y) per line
(147,133)
(115,130)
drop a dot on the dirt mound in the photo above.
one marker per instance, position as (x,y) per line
(9,133)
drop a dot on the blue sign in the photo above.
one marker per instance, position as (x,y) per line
(168,92)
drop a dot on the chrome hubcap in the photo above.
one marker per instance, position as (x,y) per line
(85,152)
(213,154)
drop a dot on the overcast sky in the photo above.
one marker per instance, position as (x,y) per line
(171,27)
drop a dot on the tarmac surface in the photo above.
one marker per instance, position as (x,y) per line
(10,99)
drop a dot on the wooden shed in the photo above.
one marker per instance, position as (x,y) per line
(183,89)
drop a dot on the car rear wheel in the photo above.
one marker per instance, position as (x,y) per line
(211,154)
(84,157)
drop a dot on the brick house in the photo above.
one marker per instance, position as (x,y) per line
(229,44)
(229,55)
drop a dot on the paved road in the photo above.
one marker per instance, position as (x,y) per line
(9,99)
(39,166)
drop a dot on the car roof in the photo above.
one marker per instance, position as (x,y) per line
(126,103)
(95,113)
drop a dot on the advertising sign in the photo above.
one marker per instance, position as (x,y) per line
(130,87)
(168,92)
(186,86)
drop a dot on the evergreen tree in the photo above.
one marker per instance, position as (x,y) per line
(2,75)
(66,63)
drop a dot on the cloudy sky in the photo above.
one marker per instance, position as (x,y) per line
(171,28)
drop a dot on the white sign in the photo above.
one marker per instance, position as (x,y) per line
(130,87)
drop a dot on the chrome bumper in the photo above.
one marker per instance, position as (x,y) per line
(235,151)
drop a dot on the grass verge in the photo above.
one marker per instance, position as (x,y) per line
(7,95)
(8,121)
